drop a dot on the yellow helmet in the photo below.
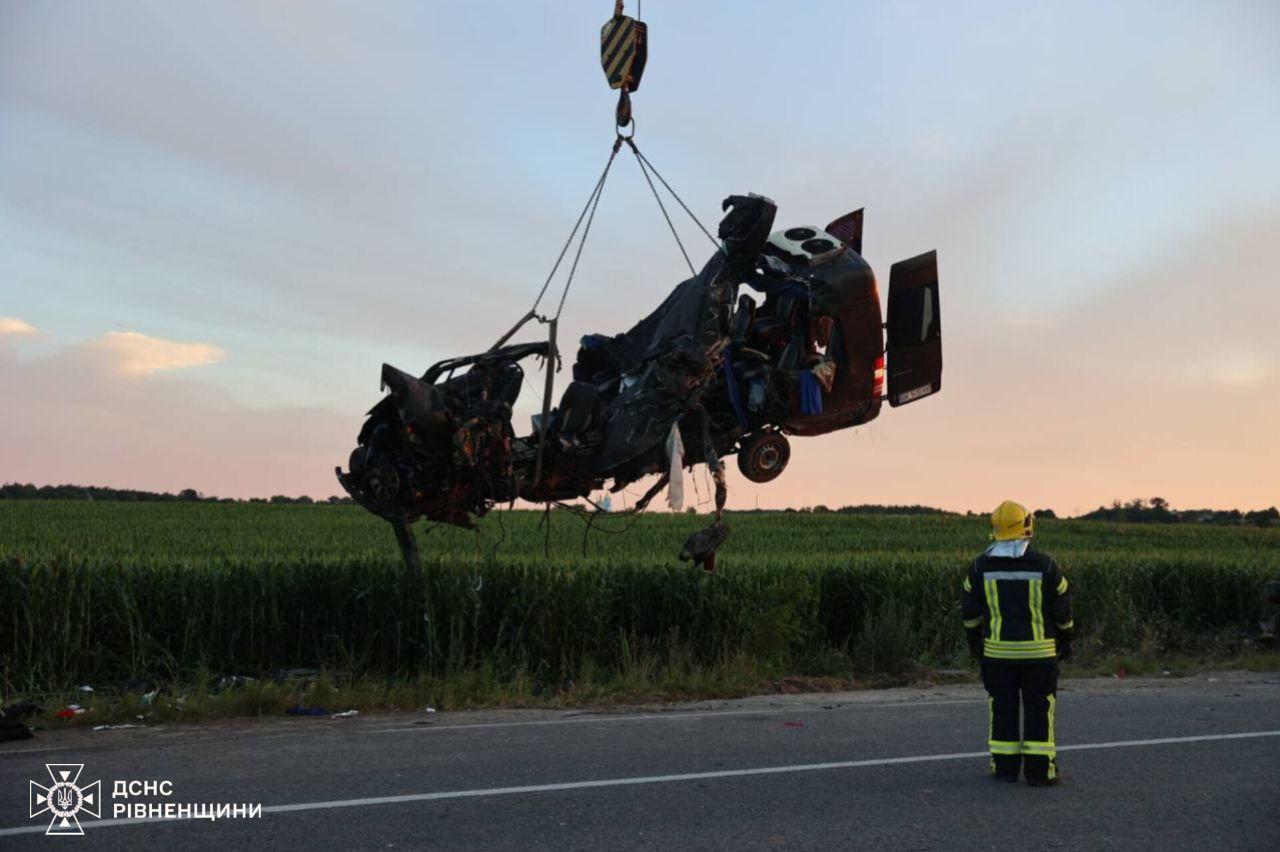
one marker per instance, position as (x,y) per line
(1011,521)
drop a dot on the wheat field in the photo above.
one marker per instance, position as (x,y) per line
(108,592)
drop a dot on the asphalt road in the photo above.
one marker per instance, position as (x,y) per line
(1148,764)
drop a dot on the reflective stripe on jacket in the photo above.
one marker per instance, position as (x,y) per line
(1020,602)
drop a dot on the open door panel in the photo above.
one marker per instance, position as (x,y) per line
(848,229)
(914,352)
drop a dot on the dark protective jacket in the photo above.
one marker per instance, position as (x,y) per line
(1021,603)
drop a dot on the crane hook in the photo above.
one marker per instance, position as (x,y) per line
(624,50)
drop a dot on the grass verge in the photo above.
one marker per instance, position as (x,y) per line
(646,683)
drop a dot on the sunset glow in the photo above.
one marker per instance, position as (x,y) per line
(218,221)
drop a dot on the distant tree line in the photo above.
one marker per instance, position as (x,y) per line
(1158,511)
(20,491)
(871,509)
(1155,510)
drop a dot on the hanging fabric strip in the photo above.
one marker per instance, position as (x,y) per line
(675,453)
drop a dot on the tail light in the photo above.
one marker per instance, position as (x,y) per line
(877,386)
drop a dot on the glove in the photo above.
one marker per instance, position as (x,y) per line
(1064,646)
(974,635)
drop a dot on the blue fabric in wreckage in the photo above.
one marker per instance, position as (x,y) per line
(810,393)
(731,386)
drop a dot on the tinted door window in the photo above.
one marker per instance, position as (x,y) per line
(913,316)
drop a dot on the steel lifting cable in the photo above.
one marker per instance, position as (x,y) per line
(589,212)
(593,204)
(553,353)
(661,206)
(592,200)
(645,162)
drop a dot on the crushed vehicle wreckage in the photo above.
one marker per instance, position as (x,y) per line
(714,371)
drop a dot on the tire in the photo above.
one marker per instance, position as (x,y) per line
(764,456)
(383,481)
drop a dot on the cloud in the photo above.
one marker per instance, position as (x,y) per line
(134,354)
(71,417)
(1235,369)
(15,327)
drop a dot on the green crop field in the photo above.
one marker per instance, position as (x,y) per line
(109,592)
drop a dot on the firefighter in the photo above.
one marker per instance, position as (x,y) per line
(1016,607)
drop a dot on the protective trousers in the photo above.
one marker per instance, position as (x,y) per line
(1029,745)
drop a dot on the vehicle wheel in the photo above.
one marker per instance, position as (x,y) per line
(383,481)
(763,456)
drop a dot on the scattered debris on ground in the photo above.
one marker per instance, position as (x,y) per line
(12,726)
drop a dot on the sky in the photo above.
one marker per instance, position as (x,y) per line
(217,220)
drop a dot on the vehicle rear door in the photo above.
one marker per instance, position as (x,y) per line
(914,350)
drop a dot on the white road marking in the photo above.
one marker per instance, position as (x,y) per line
(1203,738)
(669,716)
(659,779)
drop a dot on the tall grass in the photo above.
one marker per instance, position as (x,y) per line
(94,593)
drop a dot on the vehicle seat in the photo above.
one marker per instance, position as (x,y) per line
(580,410)
(744,318)
(777,330)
